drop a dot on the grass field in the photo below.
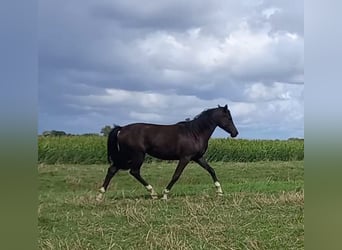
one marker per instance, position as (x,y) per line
(262,208)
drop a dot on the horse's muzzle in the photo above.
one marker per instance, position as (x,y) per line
(234,134)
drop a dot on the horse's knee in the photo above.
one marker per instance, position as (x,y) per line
(134,172)
(212,171)
(111,170)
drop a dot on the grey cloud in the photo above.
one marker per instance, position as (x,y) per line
(163,15)
(178,48)
(289,18)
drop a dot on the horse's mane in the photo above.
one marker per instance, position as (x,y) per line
(205,113)
(198,122)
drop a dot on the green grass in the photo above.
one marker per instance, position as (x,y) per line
(262,208)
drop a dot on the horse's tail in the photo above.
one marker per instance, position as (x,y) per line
(112,144)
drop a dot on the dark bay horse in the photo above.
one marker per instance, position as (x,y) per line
(184,141)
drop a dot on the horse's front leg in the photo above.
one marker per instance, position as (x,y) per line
(180,167)
(203,163)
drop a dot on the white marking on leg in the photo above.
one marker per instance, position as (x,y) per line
(165,192)
(218,188)
(153,193)
(99,196)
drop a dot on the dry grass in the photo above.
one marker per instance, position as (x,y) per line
(251,215)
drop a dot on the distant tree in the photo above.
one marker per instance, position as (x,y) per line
(90,134)
(105,130)
(295,139)
(46,133)
(54,133)
(187,119)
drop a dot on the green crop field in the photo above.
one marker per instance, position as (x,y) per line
(262,206)
(92,150)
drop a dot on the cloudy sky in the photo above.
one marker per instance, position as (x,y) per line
(103,62)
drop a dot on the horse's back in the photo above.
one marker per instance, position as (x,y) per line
(168,142)
(146,133)
(161,141)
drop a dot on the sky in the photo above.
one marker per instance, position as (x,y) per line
(118,62)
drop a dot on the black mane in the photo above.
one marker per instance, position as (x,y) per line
(199,122)
(203,114)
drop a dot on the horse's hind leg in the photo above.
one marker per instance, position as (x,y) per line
(112,170)
(137,161)
(202,162)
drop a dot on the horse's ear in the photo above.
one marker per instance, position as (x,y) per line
(218,105)
(226,107)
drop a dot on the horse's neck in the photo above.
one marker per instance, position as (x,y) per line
(207,129)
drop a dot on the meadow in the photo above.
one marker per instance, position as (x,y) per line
(262,207)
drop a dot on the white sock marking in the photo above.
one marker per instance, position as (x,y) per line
(218,187)
(217,184)
(165,192)
(99,196)
(149,188)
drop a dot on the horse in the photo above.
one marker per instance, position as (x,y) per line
(184,141)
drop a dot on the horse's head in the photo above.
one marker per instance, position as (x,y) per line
(224,120)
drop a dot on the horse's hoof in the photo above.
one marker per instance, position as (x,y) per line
(154,197)
(99,197)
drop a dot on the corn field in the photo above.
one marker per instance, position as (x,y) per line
(92,150)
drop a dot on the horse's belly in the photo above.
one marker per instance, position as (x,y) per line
(164,155)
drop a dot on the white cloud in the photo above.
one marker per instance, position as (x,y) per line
(241,54)
(274,110)
(270,12)
(141,116)
(277,91)
(171,107)
(168,60)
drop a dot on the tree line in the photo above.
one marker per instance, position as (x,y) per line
(104,131)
